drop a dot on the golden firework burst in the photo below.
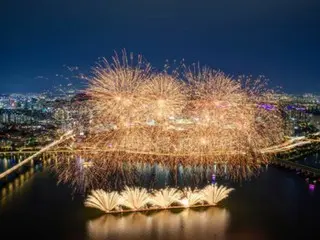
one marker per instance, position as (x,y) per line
(203,117)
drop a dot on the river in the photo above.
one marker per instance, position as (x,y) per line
(277,204)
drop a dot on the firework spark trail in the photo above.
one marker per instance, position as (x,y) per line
(141,111)
(203,117)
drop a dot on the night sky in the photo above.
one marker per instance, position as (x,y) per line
(41,38)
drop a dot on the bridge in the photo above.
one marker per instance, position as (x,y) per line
(63,138)
(293,143)
(288,145)
(297,166)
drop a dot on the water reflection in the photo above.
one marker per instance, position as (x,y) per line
(209,223)
(84,175)
(13,187)
(87,175)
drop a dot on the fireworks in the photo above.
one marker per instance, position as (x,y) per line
(138,199)
(134,198)
(164,98)
(191,197)
(136,111)
(213,194)
(165,197)
(202,117)
(102,200)
(115,91)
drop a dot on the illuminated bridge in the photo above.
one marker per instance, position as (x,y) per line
(287,146)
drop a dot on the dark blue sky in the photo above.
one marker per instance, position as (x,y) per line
(279,39)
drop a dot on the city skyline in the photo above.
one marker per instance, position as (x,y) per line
(159,119)
(45,43)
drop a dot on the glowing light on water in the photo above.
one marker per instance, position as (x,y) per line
(312,187)
(213,178)
(162,225)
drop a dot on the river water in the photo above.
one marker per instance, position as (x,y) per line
(278,204)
